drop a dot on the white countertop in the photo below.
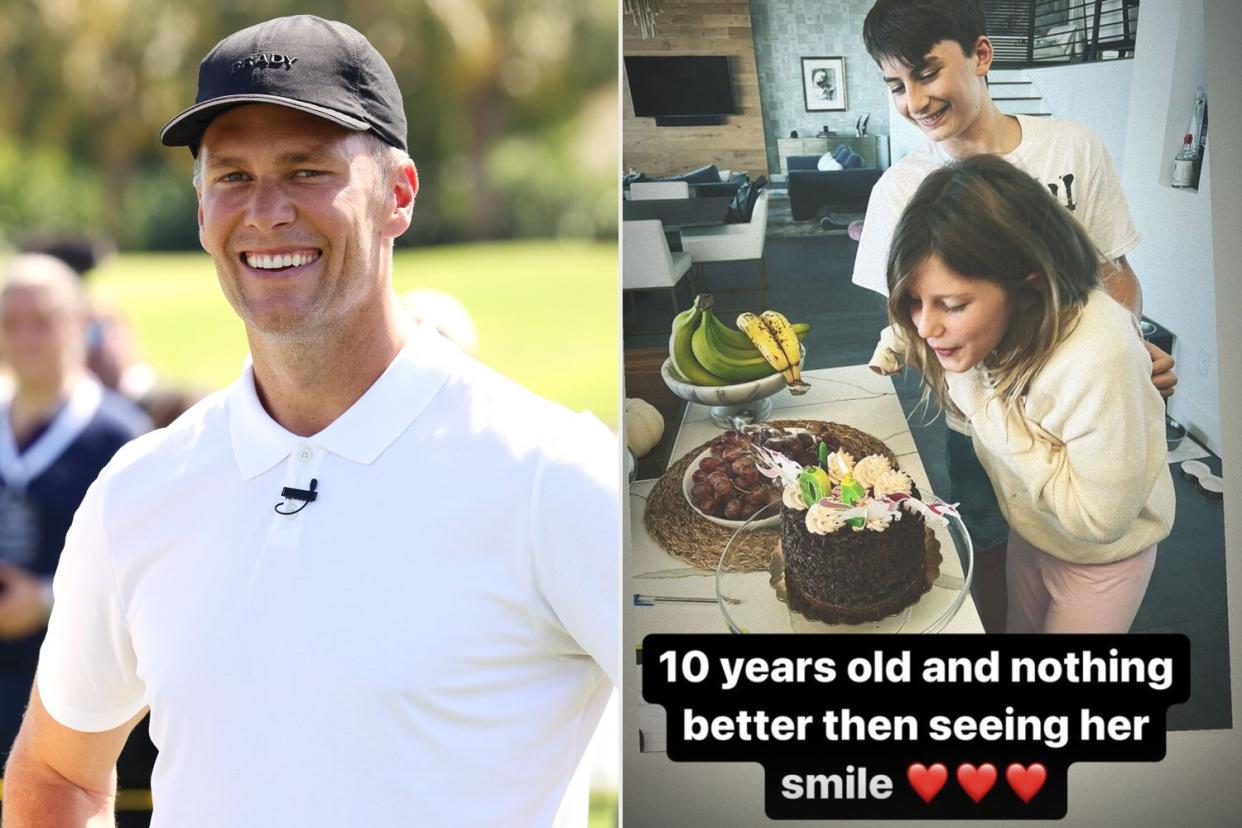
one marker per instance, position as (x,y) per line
(657,791)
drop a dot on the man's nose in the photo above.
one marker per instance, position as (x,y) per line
(269,206)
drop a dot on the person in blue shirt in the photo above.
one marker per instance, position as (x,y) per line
(58,427)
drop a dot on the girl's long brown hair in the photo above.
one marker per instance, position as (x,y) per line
(986,219)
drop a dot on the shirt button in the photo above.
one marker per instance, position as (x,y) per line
(305,454)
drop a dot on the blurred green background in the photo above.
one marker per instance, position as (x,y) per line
(545,310)
(512,109)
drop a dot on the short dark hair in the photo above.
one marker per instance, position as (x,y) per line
(908,29)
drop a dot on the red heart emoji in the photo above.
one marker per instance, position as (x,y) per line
(976,782)
(927,782)
(1026,782)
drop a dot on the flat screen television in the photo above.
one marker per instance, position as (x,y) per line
(680,87)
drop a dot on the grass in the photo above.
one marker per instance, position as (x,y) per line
(546,313)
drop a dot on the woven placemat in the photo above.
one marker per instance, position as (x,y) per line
(688,536)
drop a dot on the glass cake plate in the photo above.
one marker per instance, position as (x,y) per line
(751,604)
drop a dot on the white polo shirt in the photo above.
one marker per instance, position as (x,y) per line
(425,644)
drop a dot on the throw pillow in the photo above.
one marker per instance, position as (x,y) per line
(841,153)
(738,208)
(853,162)
(743,205)
(828,164)
(752,196)
(703,175)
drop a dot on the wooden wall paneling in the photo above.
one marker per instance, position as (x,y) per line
(710,27)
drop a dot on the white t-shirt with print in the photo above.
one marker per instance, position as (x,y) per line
(1067,157)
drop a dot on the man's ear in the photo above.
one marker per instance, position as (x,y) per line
(198,192)
(982,55)
(404,189)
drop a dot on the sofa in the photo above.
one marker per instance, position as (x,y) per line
(706,181)
(815,193)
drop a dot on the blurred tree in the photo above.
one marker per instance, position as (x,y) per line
(89,83)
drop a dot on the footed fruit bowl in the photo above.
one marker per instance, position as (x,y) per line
(745,402)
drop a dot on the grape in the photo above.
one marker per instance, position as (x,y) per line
(722,487)
(710,463)
(701,491)
(733,509)
(759,497)
(748,478)
(707,505)
(732,453)
(699,476)
(742,464)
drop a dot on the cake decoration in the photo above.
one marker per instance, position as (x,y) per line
(867,494)
(855,536)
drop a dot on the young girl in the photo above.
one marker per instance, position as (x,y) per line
(994,286)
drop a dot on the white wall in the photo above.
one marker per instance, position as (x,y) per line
(1174,261)
(1106,105)
(1095,94)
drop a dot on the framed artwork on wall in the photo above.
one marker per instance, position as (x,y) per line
(823,83)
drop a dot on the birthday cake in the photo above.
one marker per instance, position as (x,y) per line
(853,529)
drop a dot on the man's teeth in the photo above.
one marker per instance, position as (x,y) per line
(274,262)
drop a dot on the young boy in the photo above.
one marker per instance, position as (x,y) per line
(935,57)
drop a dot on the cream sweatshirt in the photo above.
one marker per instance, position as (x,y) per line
(1091,482)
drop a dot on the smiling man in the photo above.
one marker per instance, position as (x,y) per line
(935,57)
(371,583)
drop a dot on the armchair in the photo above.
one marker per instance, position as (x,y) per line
(732,243)
(647,263)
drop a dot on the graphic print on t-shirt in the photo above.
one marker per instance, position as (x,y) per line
(1068,181)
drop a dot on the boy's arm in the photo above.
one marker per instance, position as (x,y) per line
(1123,285)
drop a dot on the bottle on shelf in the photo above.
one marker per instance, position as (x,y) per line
(1184,165)
(1198,132)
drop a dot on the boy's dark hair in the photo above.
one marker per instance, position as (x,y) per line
(906,30)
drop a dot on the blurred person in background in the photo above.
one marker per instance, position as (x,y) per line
(112,352)
(58,428)
(445,314)
(373,582)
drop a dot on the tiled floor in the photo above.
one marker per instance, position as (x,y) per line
(809,280)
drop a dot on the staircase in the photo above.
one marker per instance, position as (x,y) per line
(1015,93)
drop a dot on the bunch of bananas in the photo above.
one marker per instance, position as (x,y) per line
(706,351)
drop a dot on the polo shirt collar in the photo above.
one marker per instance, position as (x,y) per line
(367,427)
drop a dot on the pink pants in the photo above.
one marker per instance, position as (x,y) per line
(1049,595)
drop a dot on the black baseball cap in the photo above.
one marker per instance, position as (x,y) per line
(318,66)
